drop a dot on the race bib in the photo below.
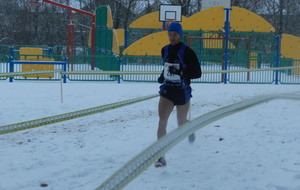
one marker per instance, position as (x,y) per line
(168,75)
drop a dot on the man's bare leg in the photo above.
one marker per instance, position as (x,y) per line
(182,113)
(165,108)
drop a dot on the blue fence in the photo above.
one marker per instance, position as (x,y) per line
(14,66)
(147,63)
(4,64)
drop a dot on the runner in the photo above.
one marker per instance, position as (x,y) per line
(180,66)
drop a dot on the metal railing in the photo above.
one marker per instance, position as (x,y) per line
(15,66)
(154,64)
(4,65)
(118,75)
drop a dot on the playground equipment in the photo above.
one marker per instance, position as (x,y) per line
(36,62)
(103,39)
(245,41)
(210,20)
(70,33)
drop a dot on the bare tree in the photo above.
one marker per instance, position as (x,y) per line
(283,15)
(251,5)
(47,24)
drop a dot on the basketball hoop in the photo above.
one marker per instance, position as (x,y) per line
(168,22)
(169,14)
(33,5)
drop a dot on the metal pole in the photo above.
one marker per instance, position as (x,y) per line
(277,58)
(201,42)
(126,38)
(68,7)
(61,89)
(119,76)
(11,68)
(93,41)
(164,25)
(64,70)
(249,62)
(226,51)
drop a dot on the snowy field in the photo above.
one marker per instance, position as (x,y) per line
(256,149)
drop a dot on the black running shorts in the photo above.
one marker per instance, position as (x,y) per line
(178,95)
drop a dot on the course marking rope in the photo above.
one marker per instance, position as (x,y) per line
(15,74)
(111,73)
(71,115)
(148,156)
(249,70)
(157,72)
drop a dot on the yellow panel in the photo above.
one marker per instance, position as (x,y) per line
(150,45)
(211,19)
(214,43)
(290,46)
(27,67)
(149,21)
(31,67)
(47,59)
(242,20)
(296,71)
(246,21)
(90,38)
(121,36)
(115,48)
(253,60)
(30,51)
(109,18)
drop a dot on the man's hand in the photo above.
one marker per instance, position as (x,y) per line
(174,70)
(161,79)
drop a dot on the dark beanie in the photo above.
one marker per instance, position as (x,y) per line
(176,27)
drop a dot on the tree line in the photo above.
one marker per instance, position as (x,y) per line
(22,23)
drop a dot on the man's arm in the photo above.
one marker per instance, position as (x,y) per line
(193,68)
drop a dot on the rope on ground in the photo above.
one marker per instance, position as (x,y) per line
(67,116)
(148,156)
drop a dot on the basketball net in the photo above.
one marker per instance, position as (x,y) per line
(168,22)
(33,5)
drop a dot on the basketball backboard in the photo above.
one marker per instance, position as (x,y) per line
(214,3)
(169,13)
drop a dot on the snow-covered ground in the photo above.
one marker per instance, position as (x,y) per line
(256,149)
